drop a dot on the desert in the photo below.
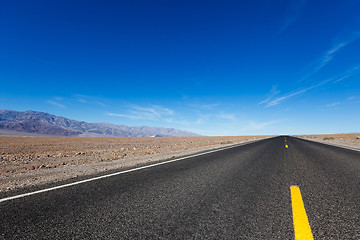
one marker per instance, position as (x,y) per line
(344,140)
(29,161)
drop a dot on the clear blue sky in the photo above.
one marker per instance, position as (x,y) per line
(210,67)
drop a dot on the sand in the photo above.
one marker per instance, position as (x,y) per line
(29,161)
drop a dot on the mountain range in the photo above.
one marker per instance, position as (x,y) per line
(40,123)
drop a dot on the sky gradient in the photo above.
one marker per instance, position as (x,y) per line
(209,67)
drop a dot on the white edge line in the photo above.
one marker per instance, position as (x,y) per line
(122,172)
(331,144)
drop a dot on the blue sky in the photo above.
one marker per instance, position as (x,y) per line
(210,67)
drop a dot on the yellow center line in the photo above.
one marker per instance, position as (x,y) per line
(286,146)
(301,223)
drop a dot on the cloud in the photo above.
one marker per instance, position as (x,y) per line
(156,113)
(89,100)
(227,116)
(269,102)
(153,109)
(272,94)
(328,56)
(58,98)
(351,72)
(124,115)
(185,122)
(293,12)
(56,104)
(200,121)
(351,98)
(210,106)
(333,104)
(153,112)
(252,125)
(278,100)
(82,100)
(179,122)
(342,102)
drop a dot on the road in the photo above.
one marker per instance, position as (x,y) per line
(238,193)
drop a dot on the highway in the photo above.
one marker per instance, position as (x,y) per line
(238,193)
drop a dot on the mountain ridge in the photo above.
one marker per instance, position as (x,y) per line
(49,124)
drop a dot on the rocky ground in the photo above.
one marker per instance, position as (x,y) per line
(346,140)
(28,161)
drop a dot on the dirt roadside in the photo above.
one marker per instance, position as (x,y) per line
(29,161)
(345,140)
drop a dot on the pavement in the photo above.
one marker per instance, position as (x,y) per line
(237,193)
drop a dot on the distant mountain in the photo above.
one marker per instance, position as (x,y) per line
(48,124)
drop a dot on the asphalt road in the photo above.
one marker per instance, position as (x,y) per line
(238,193)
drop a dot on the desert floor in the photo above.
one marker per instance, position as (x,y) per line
(29,161)
(346,140)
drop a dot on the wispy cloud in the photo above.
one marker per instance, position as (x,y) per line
(205,106)
(271,101)
(59,98)
(293,12)
(333,104)
(252,125)
(227,116)
(156,110)
(179,122)
(89,100)
(278,100)
(152,112)
(56,104)
(351,72)
(186,122)
(321,62)
(133,117)
(346,101)
(200,121)
(273,92)
(82,100)
(329,55)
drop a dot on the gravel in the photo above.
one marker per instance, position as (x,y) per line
(29,161)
